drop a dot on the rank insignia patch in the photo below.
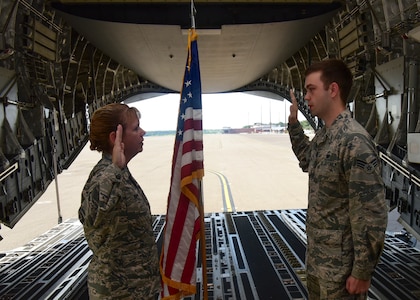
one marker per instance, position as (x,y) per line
(368,167)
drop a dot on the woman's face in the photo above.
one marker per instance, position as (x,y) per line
(132,138)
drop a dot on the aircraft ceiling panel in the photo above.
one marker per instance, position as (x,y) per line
(230,58)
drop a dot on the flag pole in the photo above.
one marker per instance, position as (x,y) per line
(203,245)
(201,207)
(192,15)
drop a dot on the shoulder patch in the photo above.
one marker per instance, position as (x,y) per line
(368,167)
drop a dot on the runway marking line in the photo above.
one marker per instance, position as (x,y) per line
(226,193)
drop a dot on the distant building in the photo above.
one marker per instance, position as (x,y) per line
(256,128)
(229,130)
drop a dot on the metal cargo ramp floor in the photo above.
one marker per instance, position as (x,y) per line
(249,255)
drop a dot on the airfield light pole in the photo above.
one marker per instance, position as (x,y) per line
(285,126)
(270,113)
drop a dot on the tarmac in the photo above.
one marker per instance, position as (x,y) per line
(260,171)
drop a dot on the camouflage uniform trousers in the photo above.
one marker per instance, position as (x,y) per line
(319,289)
(94,296)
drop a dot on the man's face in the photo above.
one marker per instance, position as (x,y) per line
(317,97)
(133,138)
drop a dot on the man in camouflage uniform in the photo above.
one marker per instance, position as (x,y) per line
(347,212)
(115,213)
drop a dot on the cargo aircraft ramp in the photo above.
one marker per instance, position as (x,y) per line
(249,255)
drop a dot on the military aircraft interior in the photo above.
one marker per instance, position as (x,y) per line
(60,60)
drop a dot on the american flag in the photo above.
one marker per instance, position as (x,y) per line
(183,220)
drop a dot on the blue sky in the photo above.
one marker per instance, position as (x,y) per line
(219,110)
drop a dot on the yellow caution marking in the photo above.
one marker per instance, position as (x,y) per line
(226,194)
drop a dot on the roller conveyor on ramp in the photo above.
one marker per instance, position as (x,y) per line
(249,255)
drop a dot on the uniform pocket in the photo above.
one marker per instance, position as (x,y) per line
(325,254)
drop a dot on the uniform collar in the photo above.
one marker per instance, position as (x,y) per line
(107,156)
(338,122)
(327,134)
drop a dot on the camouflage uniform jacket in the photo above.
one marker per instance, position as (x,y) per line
(347,212)
(117,223)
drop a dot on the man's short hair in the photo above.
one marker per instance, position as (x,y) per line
(334,70)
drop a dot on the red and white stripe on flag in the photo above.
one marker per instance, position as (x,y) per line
(183,224)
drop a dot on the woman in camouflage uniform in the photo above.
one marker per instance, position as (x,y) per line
(115,213)
(347,212)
